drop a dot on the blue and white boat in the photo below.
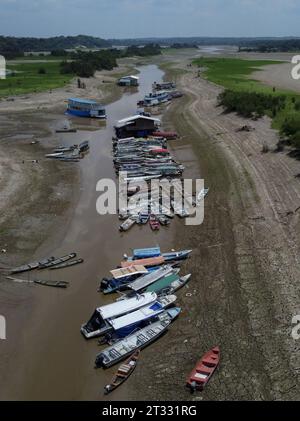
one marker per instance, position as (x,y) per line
(156,98)
(155,252)
(99,325)
(86,108)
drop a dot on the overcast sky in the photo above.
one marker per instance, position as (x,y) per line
(148,18)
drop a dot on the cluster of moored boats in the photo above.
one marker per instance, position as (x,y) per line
(72,153)
(148,281)
(161,94)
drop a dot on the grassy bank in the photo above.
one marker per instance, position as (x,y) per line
(251,98)
(33,77)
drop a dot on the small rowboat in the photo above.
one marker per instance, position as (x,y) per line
(124,372)
(55,284)
(204,370)
(154,224)
(67,264)
(31,266)
(58,261)
(127,224)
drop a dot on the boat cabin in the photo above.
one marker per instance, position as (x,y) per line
(136,126)
(86,108)
(164,85)
(128,81)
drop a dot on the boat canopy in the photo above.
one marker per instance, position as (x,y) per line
(130,271)
(152,261)
(147,280)
(126,306)
(147,252)
(137,316)
(131,120)
(163,283)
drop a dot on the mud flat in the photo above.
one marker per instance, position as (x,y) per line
(245,286)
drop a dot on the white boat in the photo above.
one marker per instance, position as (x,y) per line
(179,283)
(147,280)
(98,324)
(125,324)
(127,224)
(202,194)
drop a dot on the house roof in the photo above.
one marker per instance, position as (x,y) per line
(83,101)
(130,77)
(130,120)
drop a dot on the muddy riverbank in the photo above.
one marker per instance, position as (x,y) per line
(245,264)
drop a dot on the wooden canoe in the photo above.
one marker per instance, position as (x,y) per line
(58,261)
(124,372)
(153,261)
(204,370)
(67,264)
(55,284)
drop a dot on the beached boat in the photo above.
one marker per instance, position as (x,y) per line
(202,194)
(144,281)
(163,285)
(31,266)
(167,135)
(125,325)
(151,261)
(86,108)
(154,224)
(127,224)
(176,255)
(58,261)
(121,277)
(54,284)
(204,369)
(123,373)
(163,220)
(143,218)
(138,340)
(179,283)
(146,253)
(98,324)
(156,252)
(67,264)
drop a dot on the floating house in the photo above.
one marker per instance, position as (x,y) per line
(86,108)
(136,126)
(128,81)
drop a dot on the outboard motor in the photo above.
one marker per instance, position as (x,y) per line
(99,361)
(104,284)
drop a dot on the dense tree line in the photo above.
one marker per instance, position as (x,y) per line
(179,45)
(269,46)
(251,104)
(17,46)
(85,64)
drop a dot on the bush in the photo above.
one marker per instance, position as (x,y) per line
(42,71)
(251,104)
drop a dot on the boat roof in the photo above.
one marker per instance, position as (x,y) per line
(152,261)
(154,251)
(130,77)
(137,316)
(147,280)
(163,283)
(132,270)
(84,101)
(132,119)
(121,307)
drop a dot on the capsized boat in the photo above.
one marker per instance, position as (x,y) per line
(138,340)
(124,372)
(204,369)
(98,324)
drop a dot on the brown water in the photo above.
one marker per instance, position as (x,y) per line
(54,362)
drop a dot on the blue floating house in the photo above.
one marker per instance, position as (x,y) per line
(86,108)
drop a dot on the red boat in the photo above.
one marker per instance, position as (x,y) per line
(203,371)
(154,224)
(167,135)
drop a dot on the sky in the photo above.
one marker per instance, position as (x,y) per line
(150,18)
